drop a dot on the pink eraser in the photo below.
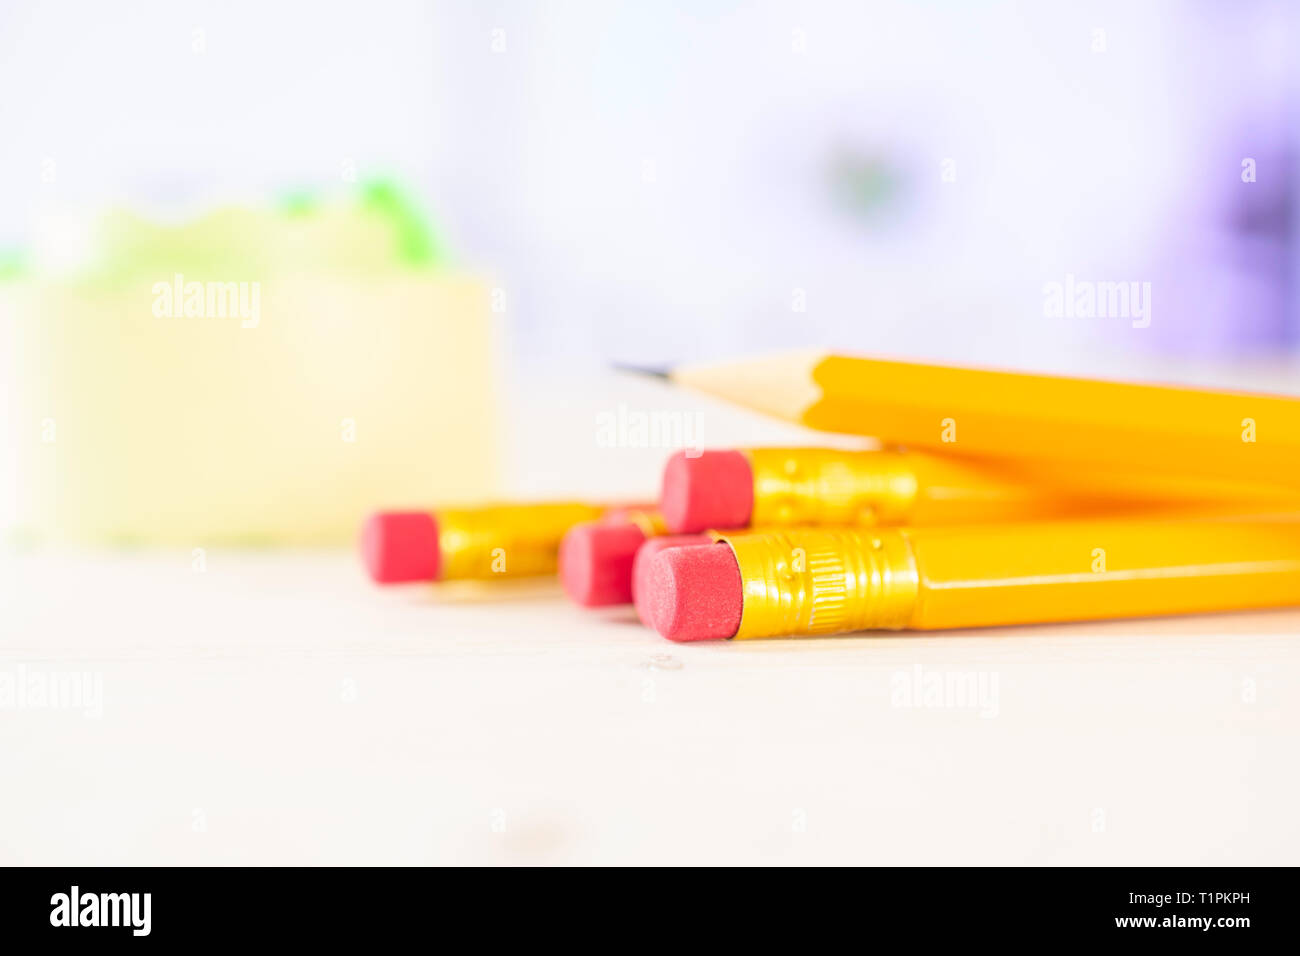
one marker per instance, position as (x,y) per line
(401,546)
(641,565)
(713,489)
(694,593)
(596,561)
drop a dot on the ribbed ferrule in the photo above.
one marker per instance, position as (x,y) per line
(824,581)
(822,486)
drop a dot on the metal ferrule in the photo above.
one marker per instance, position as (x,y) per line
(823,486)
(824,581)
(506,540)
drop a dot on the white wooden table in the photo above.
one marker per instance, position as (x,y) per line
(277,708)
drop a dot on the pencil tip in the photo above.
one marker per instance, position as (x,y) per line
(648,372)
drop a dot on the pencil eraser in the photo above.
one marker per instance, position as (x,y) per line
(596,561)
(641,565)
(401,546)
(694,593)
(712,489)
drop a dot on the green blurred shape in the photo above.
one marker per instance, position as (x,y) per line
(294,204)
(377,229)
(416,243)
(13,264)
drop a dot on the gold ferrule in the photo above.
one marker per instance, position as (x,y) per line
(824,581)
(823,486)
(506,540)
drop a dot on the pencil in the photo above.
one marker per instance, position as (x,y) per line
(776,487)
(824,581)
(973,412)
(481,543)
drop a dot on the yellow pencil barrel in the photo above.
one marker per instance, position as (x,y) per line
(1087,423)
(824,581)
(1237,435)
(1082,570)
(827,486)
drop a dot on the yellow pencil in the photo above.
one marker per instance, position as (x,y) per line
(485,542)
(814,581)
(789,487)
(964,411)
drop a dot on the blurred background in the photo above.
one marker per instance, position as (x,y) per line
(460,215)
(268,266)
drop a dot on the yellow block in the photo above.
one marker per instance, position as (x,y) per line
(346,395)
